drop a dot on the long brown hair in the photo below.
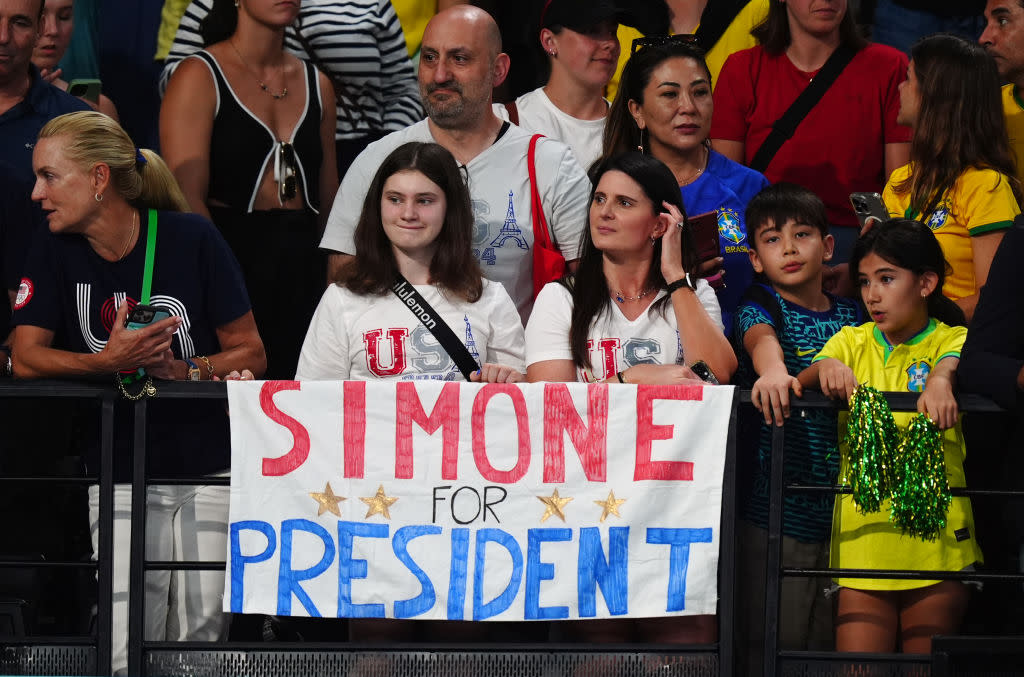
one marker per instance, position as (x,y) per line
(589,286)
(960,121)
(374,269)
(773,33)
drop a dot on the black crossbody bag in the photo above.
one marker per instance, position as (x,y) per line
(784,128)
(427,316)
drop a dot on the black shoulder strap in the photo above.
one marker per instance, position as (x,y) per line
(715,21)
(419,307)
(785,126)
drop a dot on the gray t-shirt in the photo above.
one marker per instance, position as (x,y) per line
(499,187)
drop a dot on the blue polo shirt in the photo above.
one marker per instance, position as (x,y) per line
(726,187)
(19,129)
(20,125)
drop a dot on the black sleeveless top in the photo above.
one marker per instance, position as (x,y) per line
(242,146)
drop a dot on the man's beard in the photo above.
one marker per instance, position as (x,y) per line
(448,114)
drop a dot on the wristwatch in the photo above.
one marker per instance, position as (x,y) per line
(684,281)
(193,370)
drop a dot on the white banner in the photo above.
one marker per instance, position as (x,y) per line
(464,501)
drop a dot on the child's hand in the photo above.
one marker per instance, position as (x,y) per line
(837,379)
(938,401)
(770,395)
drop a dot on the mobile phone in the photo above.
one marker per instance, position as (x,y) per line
(143,316)
(705,235)
(869,206)
(86,88)
(139,317)
(701,369)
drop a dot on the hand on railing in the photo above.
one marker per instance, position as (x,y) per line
(837,379)
(770,395)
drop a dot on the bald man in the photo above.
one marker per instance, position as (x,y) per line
(460,63)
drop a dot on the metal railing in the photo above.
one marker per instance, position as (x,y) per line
(286,658)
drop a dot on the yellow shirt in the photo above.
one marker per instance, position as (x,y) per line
(170,16)
(736,37)
(870,541)
(1013,109)
(981,201)
(414,15)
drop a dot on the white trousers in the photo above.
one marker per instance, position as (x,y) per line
(183,523)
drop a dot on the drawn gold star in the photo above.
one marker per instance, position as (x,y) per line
(610,506)
(328,501)
(379,503)
(554,505)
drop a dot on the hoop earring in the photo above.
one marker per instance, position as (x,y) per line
(98,197)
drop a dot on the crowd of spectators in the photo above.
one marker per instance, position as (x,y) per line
(315,153)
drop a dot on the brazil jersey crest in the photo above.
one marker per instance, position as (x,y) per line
(729,227)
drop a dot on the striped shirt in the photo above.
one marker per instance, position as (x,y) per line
(359,43)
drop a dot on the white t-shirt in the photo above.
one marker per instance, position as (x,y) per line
(357,337)
(538,115)
(614,343)
(499,186)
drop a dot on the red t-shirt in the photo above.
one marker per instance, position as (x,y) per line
(839,148)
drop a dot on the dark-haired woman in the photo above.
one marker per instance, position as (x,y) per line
(961,179)
(664,107)
(416,222)
(633,284)
(248,130)
(913,345)
(849,141)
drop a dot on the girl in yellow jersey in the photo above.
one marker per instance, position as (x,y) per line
(913,345)
(961,179)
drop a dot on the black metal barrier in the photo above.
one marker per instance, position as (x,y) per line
(91,654)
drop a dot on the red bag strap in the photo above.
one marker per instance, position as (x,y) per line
(541,237)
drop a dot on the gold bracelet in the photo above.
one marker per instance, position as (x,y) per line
(209,366)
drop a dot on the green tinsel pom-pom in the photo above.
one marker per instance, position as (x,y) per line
(920,494)
(873,440)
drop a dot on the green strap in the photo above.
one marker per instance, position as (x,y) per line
(147,273)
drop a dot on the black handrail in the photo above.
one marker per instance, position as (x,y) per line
(726,646)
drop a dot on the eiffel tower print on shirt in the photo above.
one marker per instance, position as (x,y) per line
(454,374)
(509,231)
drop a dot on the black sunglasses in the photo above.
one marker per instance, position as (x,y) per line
(659,40)
(285,172)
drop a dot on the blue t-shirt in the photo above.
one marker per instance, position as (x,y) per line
(69,289)
(727,187)
(811,453)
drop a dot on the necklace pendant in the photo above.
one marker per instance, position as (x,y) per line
(618,297)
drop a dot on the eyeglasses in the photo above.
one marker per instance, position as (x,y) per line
(660,40)
(285,172)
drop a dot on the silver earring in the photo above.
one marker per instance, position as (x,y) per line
(98,197)
(640,146)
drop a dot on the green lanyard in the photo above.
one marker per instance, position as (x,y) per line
(147,272)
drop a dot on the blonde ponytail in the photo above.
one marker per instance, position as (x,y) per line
(141,177)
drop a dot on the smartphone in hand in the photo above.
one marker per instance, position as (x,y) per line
(85,88)
(705,235)
(139,317)
(143,316)
(869,206)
